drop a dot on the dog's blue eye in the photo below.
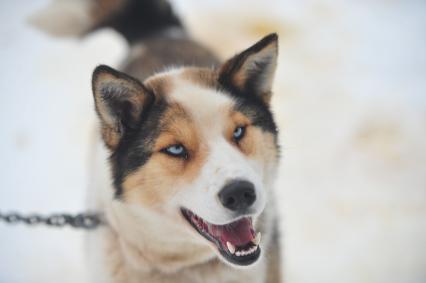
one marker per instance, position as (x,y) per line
(176,150)
(239,133)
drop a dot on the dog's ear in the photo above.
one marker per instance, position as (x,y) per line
(251,72)
(119,101)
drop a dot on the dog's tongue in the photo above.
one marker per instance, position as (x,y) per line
(237,233)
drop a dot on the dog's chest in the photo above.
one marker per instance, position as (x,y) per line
(208,273)
(111,264)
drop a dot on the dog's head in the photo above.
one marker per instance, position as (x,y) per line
(196,145)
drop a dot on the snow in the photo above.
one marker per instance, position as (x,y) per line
(349,99)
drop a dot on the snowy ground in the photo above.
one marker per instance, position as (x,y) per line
(350,98)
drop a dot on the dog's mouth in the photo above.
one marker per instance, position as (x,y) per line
(237,241)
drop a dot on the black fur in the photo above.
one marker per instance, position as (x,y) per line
(135,147)
(258,112)
(116,97)
(142,18)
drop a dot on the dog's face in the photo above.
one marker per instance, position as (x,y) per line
(197,146)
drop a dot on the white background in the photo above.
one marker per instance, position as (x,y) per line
(350,99)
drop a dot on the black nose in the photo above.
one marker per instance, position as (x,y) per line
(237,195)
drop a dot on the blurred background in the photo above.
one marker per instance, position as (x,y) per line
(350,100)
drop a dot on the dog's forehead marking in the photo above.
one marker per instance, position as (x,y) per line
(208,107)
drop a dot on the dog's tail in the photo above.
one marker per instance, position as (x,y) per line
(134,19)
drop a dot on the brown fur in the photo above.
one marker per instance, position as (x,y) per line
(237,119)
(102,9)
(160,85)
(242,75)
(159,52)
(263,146)
(201,76)
(242,70)
(163,173)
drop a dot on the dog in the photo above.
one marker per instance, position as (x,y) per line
(187,155)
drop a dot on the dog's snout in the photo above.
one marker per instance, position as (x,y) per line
(238,195)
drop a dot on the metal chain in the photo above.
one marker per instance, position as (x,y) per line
(87,221)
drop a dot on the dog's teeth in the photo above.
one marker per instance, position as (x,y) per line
(256,240)
(238,253)
(231,247)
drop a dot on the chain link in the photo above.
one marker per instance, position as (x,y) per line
(87,221)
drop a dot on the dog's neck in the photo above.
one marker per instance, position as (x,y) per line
(152,242)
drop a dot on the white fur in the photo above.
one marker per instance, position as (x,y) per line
(146,240)
(224,162)
(120,251)
(64,18)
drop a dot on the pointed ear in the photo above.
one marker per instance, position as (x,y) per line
(119,101)
(252,71)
